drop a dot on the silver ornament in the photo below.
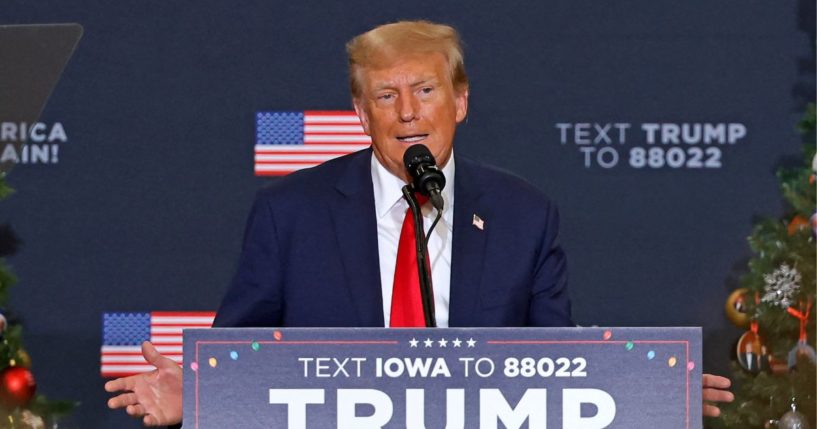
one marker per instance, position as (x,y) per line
(793,420)
(31,420)
(781,286)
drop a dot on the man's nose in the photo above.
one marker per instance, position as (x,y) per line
(408,107)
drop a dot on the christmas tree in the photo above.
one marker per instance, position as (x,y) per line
(774,371)
(20,406)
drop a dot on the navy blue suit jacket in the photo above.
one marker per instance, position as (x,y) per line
(310,255)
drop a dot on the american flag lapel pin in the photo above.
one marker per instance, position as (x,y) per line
(478,222)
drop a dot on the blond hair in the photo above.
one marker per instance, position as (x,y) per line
(383,45)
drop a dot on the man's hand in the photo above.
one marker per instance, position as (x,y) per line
(715,390)
(155,396)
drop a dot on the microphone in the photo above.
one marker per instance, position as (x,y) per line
(427,179)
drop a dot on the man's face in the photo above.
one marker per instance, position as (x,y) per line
(409,102)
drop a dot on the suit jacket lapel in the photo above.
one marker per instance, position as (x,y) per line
(468,250)
(356,228)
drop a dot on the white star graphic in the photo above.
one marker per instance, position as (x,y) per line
(443,342)
(456,342)
(428,342)
(471,342)
(413,342)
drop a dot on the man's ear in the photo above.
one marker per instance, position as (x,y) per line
(361,113)
(461,101)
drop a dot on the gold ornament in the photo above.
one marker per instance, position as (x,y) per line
(735,308)
(23,358)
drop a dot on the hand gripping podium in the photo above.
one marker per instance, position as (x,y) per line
(359,378)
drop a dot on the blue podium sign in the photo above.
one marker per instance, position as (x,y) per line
(360,378)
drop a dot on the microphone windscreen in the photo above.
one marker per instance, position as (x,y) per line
(417,154)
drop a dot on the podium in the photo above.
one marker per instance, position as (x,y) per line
(582,378)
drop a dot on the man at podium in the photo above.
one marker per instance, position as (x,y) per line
(334,245)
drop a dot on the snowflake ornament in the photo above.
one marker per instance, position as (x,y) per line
(781,286)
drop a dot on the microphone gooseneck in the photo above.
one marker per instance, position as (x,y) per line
(428,180)
(423,265)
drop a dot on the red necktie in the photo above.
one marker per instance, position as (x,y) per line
(406,301)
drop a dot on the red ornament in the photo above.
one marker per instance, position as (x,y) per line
(17,386)
(797,223)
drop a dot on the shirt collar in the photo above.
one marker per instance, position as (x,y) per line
(388,189)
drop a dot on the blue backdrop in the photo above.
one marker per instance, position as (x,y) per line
(144,207)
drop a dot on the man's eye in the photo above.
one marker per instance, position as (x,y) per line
(385,97)
(426,90)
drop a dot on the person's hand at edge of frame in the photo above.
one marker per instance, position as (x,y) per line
(715,390)
(155,396)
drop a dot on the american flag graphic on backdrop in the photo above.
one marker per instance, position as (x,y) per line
(123,334)
(290,141)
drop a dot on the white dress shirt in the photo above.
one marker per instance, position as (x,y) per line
(391,210)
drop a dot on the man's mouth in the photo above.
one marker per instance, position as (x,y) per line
(412,138)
